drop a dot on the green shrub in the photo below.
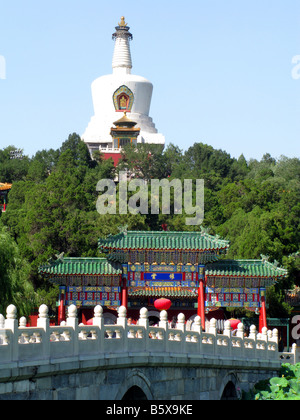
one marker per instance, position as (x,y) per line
(285,387)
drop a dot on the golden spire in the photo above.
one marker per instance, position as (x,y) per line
(122,23)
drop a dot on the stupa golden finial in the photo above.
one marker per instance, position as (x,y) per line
(122,23)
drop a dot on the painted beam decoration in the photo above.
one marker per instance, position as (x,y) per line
(235,292)
(92,296)
(232,297)
(163,275)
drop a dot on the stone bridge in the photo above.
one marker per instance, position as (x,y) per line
(131,362)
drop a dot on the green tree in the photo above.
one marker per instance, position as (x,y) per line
(12,170)
(14,274)
(143,161)
(78,149)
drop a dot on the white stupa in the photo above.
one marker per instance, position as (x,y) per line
(117,93)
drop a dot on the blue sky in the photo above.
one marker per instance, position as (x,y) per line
(221,69)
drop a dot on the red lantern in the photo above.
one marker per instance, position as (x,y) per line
(163,304)
(234,323)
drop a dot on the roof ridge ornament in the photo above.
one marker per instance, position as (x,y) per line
(122,23)
(123,229)
(265,258)
(205,230)
(60,257)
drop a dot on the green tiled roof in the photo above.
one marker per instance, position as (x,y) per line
(163,240)
(81,266)
(245,268)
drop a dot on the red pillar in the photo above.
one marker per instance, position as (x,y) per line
(61,308)
(263,312)
(124,301)
(201,303)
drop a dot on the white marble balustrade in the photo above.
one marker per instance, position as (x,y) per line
(19,343)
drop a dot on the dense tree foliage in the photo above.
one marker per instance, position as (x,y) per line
(14,276)
(52,204)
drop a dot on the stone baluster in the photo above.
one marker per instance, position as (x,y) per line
(144,321)
(197,327)
(98,320)
(43,322)
(24,337)
(43,319)
(22,322)
(240,331)
(72,321)
(253,336)
(213,327)
(227,329)
(264,334)
(269,335)
(11,324)
(275,336)
(163,323)
(181,323)
(123,328)
(253,332)
(295,354)
(122,317)
(272,345)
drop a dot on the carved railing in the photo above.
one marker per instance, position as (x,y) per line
(19,343)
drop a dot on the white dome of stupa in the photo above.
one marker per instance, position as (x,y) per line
(105,90)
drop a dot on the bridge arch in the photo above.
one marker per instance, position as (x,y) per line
(134,394)
(136,386)
(229,387)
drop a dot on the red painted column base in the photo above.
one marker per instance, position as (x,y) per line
(263,314)
(201,303)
